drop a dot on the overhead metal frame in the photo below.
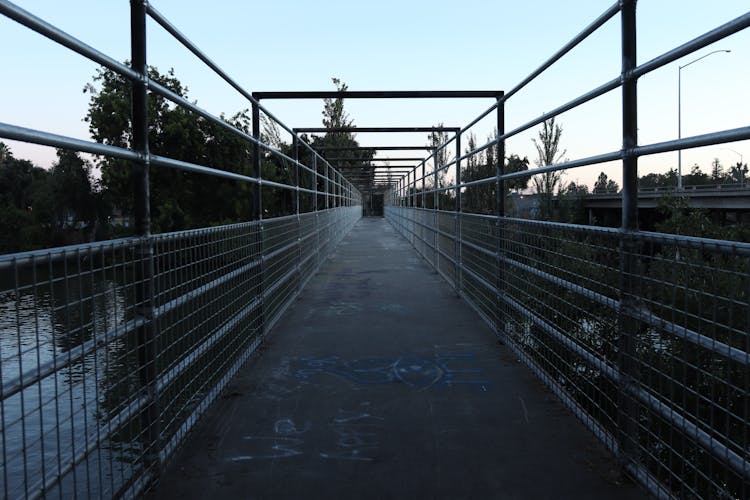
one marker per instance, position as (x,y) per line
(373,148)
(409,158)
(453,130)
(354,130)
(380,94)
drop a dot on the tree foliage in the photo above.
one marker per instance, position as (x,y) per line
(333,112)
(604,184)
(436,139)
(357,163)
(179,200)
(572,206)
(42,208)
(737,174)
(548,153)
(483,165)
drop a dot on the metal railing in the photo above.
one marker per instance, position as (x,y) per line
(643,335)
(110,351)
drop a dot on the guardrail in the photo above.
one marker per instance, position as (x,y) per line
(110,351)
(686,190)
(643,335)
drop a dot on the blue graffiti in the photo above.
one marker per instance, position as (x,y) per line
(414,371)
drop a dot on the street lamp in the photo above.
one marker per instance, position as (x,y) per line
(735,152)
(742,173)
(679,111)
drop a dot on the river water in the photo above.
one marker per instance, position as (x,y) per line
(45,313)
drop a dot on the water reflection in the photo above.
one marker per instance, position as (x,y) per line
(46,315)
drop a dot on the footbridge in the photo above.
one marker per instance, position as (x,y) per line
(444,350)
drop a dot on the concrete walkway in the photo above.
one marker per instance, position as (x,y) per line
(381,383)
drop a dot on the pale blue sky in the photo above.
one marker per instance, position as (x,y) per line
(405,45)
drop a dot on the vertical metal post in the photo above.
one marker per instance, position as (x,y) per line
(325,185)
(257,206)
(413,205)
(424,185)
(409,189)
(338,188)
(499,215)
(435,179)
(679,127)
(500,167)
(257,212)
(458,241)
(298,221)
(296,175)
(144,261)
(627,362)
(423,213)
(315,219)
(315,181)
(435,206)
(414,189)
(334,182)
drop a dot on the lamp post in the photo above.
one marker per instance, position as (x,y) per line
(679,111)
(735,152)
(742,173)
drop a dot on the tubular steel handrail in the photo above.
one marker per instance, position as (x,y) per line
(738,24)
(119,346)
(643,335)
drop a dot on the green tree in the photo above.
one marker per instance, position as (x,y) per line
(435,139)
(717,171)
(333,112)
(358,166)
(515,163)
(20,186)
(17,179)
(179,200)
(44,208)
(605,185)
(481,198)
(548,153)
(572,201)
(696,177)
(73,197)
(677,217)
(483,165)
(738,173)
(657,181)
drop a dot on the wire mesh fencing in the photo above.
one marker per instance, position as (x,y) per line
(658,371)
(110,351)
(96,394)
